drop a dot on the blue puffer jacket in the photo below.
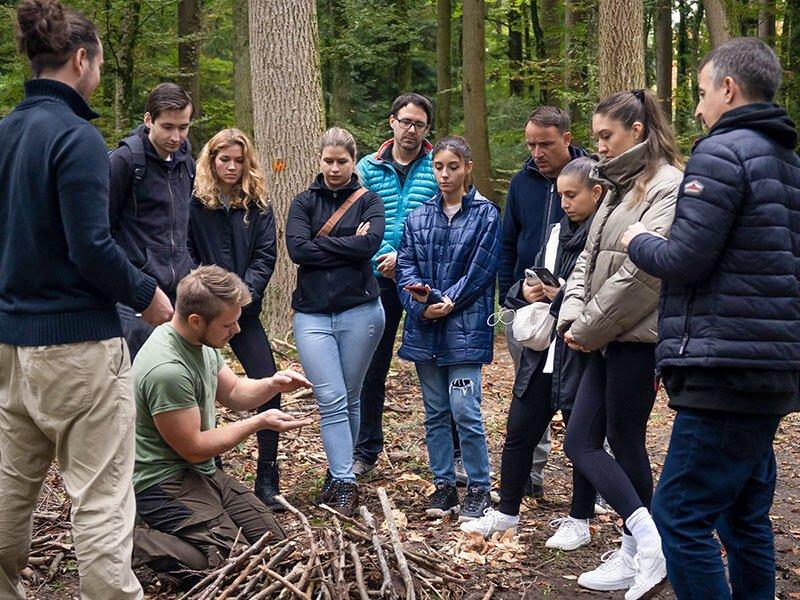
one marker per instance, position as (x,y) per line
(730,295)
(459,260)
(379,176)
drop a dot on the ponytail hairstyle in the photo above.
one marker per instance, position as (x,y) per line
(581,168)
(657,134)
(252,185)
(49,34)
(458,146)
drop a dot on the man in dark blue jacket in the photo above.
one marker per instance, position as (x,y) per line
(532,206)
(151,181)
(729,347)
(65,377)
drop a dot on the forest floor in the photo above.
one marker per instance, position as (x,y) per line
(501,569)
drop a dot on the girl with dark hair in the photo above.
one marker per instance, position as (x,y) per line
(446,268)
(231,225)
(610,311)
(546,381)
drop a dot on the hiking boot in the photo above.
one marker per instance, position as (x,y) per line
(327,489)
(651,571)
(443,501)
(461,472)
(268,485)
(475,503)
(617,572)
(570,535)
(491,522)
(344,498)
(362,467)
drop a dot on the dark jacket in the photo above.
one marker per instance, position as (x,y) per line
(458,260)
(532,206)
(60,271)
(568,364)
(731,290)
(335,271)
(152,224)
(239,240)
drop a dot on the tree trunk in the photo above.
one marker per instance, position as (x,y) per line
(339,65)
(129,28)
(288,121)
(474,82)
(541,51)
(403,50)
(766,21)
(664,55)
(621,46)
(189,58)
(444,79)
(792,84)
(516,84)
(242,86)
(722,24)
(682,93)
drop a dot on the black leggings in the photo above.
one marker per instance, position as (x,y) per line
(252,348)
(528,419)
(614,400)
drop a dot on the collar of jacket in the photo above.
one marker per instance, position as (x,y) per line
(622,171)
(769,119)
(320,187)
(467,199)
(179,156)
(376,158)
(36,89)
(529,166)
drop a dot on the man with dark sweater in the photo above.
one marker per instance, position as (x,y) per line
(65,376)
(729,347)
(532,206)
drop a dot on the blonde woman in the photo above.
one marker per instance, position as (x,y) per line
(231,225)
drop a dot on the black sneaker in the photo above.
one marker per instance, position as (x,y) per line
(443,501)
(475,503)
(361,467)
(344,498)
(268,485)
(534,490)
(327,489)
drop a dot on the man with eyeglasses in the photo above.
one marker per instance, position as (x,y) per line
(401,173)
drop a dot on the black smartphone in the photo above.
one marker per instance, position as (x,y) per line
(546,276)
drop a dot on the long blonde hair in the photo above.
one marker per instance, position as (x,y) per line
(252,184)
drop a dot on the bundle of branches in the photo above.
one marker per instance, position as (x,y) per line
(346,558)
(51,544)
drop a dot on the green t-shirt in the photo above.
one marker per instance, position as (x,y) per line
(170,374)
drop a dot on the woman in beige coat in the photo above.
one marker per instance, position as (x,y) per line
(610,310)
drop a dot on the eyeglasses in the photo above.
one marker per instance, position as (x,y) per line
(408,124)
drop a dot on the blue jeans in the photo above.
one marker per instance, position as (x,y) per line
(719,473)
(454,390)
(335,351)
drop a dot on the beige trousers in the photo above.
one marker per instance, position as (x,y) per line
(72,402)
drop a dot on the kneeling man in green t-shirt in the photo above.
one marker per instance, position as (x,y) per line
(194,511)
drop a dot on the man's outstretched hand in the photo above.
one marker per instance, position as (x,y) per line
(288,381)
(277,420)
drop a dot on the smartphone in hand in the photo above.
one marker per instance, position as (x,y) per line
(417,288)
(531,278)
(546,277)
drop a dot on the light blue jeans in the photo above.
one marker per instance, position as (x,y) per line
(335,351)
(456,390)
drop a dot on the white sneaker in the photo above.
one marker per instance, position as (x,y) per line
(491,521)
(571,534)
(651,571)
(617,572)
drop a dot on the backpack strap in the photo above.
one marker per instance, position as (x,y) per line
(135,144)
(336,216)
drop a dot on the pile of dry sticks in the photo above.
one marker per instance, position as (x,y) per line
(349,558)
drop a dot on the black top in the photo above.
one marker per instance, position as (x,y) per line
(334,272)
(402,170)
(60,271)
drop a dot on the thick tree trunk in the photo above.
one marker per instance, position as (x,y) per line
(664,55)
(288,120)
(766,21)
(189,58)
(722,23)
(444,79)
(242,87)
(474,82)
(339,66)
(516,84)
(541,49)
(792,85)
(621,46)
(129,30)
(404,78)
(683,109)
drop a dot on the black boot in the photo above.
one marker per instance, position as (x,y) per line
(268,485)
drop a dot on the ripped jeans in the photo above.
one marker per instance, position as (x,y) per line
(456,390)
(335,351)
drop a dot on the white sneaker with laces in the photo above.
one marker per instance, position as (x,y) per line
(570,535)
(617,572)
(651,571)
(491,522)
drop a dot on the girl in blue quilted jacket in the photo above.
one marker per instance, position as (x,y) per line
(446,269)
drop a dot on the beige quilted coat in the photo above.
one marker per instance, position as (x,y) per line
(607,297)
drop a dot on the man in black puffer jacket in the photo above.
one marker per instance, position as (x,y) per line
(729,347)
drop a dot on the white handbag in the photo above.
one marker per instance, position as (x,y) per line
(533,326)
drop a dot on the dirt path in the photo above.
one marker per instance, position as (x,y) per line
(519,568)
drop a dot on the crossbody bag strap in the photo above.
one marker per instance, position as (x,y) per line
(336,216)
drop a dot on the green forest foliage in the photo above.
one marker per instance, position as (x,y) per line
(369,42)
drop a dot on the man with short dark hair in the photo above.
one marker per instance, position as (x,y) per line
(532,206)
(729,347)
(178,376)
(152,176)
